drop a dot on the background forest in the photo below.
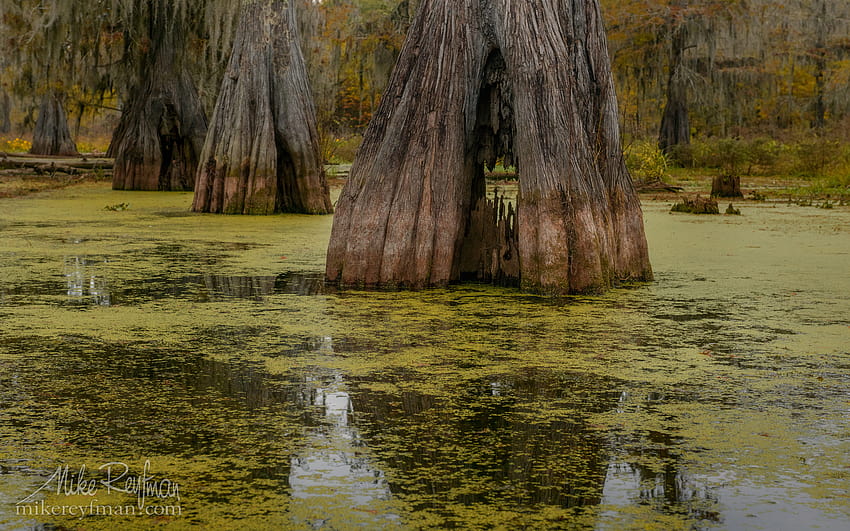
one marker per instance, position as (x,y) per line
(750,87)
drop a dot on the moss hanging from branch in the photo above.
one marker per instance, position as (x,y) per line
(161,133)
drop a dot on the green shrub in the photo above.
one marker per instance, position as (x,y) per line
(816,157)
(646,162)
(763,153)
(733,156)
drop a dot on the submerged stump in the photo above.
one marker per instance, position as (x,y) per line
(726,186)
(261,154)
(696,205)
(480,80)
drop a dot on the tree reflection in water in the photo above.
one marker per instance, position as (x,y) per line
(85,284)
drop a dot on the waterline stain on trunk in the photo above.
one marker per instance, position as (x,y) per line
(159,138)
(478,80)
(261,154)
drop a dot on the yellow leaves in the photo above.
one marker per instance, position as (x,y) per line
(15,145)
(646,162)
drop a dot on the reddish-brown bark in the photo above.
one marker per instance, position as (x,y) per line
(261,154)
(479,79)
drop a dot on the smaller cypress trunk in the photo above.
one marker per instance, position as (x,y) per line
(161,132)
(819,121)
(5,112)
(261,155)
(51,135)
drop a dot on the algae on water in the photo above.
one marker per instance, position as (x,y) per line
(716,396)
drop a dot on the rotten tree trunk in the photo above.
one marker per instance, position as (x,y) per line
(51,135)
(161,132)
(261,154)
(478,80)
(726,186)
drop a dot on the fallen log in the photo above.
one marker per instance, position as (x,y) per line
(657,186)
(60,164)
(52,169)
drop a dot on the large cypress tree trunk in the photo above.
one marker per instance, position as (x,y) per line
(5,112)
(261,154)
(161,132)
(51,135)
(675,122)
(479,79)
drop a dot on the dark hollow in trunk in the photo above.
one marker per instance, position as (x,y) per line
(159,138)
(478,80)
(51,135)
(726,186)
(5,112)
(261,154)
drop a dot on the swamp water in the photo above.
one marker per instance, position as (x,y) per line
(717,396)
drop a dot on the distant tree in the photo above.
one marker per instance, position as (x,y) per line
(735,66)
(150,53)
(5,112)
(52,136)
(350,47)
(675,121)
(42,63)
(158,141)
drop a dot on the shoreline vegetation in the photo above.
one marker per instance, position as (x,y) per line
(790,172)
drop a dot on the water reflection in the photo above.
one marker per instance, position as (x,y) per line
(677,405)
(259,287)
(85,283)
(487,444)
(333,479)
(672,490)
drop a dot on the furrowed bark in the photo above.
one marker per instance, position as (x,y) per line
(159,138)
(52,135)
(478,80)
(675,122)
(261,154)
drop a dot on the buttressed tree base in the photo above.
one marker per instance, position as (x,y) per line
(261,154)
(162,129)
(479,80)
